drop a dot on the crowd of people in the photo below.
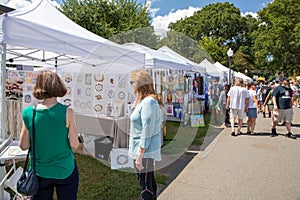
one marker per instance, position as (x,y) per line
(275,99)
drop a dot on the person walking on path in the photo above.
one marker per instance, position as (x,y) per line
(252,108)
(283,111)
(237,102)
(269,102)
(221,105)
(55,137)
(145,132)
(295,88)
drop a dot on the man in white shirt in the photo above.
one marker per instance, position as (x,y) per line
(237,102)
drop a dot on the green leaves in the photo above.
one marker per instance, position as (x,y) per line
(106,18)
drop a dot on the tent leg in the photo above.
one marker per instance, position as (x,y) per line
(3,111)
(3,90)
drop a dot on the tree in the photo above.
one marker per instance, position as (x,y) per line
(217,27)
(185,46)
(278,35)
(220,21)
(143,36)
(106,18)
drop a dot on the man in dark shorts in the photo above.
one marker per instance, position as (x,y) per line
(283,111)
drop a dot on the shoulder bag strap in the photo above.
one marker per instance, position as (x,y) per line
(32,148)
(33,139)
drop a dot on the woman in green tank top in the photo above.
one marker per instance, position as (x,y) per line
(55,137)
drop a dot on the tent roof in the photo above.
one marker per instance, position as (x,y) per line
(41,26)
(211,69)
(195,66)
(158,59)
(221,67)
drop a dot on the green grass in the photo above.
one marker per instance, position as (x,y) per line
(173,129)
(99,182)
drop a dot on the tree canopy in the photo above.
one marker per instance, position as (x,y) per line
(277,44)
(106,18)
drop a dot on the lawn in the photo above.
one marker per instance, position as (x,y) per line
(99,182)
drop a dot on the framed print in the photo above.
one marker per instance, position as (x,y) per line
(169,110)
(197,121)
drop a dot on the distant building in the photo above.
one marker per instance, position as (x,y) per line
(4,9)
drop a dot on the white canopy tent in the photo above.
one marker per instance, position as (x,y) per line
(234,73)
(158,59)
(195,66)
(211,69)
(39,34)
(243,76)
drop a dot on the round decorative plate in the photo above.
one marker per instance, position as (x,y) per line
(68,78)
(122,159)
(88,91)
(82,105)
(111,94)
(79,78)
(99,87)
(77,103)
(98,107)
(121,95)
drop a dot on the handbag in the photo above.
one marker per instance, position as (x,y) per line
(28,184)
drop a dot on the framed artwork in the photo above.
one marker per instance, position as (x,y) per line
(169,110)
(197,121)
(177,110)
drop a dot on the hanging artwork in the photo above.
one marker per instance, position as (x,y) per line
(169,110)
(68,78)
(88,79)
(99,78)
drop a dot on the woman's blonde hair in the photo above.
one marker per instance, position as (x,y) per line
(239,82)
(143,85)
(48,84)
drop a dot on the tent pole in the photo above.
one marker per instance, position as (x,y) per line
(3,90)
(3,111)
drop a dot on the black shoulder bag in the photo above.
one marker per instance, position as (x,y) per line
(28,184)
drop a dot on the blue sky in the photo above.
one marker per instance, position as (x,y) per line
(166,6)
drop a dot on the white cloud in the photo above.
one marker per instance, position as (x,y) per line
(161,23)
(253,14)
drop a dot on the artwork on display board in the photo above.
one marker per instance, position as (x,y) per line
(197,121)
(177,110)
(181,82)
(158,82)
(95,93)
(19,85)
(169,110)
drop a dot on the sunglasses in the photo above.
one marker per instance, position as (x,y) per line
(131,82)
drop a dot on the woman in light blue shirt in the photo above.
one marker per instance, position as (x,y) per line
(145,132)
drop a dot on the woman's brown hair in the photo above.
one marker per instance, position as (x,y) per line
(143,85)
(48,84)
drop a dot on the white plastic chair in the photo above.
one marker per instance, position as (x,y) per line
(11,182)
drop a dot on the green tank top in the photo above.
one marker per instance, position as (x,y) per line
(54,156)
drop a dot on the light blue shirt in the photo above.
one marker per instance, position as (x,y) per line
(145,129)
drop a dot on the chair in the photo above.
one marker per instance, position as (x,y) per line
(11,182)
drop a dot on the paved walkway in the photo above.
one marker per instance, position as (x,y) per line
(243,168)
